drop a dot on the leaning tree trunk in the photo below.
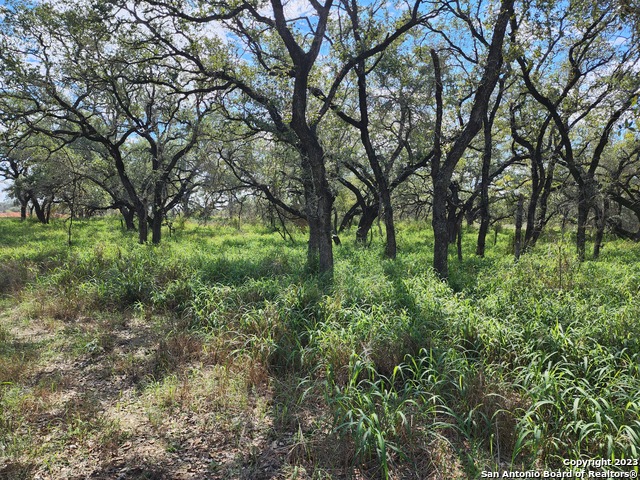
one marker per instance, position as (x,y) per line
(128,214)
(459,240)
(348,217)
(442,173)
(46,206)
(532,209)
(487,154)
(453,201)
(369,214)
(482,232)
(40,212)
(378,172)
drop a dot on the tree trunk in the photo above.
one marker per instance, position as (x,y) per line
(318,196)
(158,211)
(40,213)
(391,246)
(156,227)
(459,242)
(543,202)
(518,236)
(453,201)
(47,208)
(369,214)
(320,251)
(583,214)
(319,203)
(348,217)
(601,222)
(484,190)
(482,235)
(128,214)
(440,231)
(23,210)
(143,224)
(533,201)
(441,173)
(380,175)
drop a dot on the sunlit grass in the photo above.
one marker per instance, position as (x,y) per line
(518,364)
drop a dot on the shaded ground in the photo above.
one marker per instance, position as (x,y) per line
(120,399)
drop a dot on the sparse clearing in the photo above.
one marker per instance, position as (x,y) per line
(213,356)
(105,399)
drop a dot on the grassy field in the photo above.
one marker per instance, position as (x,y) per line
(215,356)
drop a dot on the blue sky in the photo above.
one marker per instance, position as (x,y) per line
(3,184)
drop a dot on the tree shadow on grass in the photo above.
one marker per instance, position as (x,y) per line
(17,470)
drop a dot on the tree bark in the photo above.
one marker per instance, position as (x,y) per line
(319,203)
(518,235)
(23,209)
(143,224)
(390,250)
(47,203)
(583,214)
(601,220)
(158,211)
(484,190)
(369,214)
(453,201)
(381,177)
(533,206)
(318,195)
(40,212)
(459,240)
(128,214)
(542,219)
(482,234)
(440,231)
(348,217)
(156,227)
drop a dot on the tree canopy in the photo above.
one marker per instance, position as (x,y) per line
(320,113)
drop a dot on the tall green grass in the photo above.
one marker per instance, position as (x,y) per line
(518,364)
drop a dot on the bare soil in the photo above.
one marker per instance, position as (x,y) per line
(125,402)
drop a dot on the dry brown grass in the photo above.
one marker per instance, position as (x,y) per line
(108,394)
(14,274)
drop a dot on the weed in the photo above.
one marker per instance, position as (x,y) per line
(389,372)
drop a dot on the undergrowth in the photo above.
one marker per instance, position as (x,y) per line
(390,372)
